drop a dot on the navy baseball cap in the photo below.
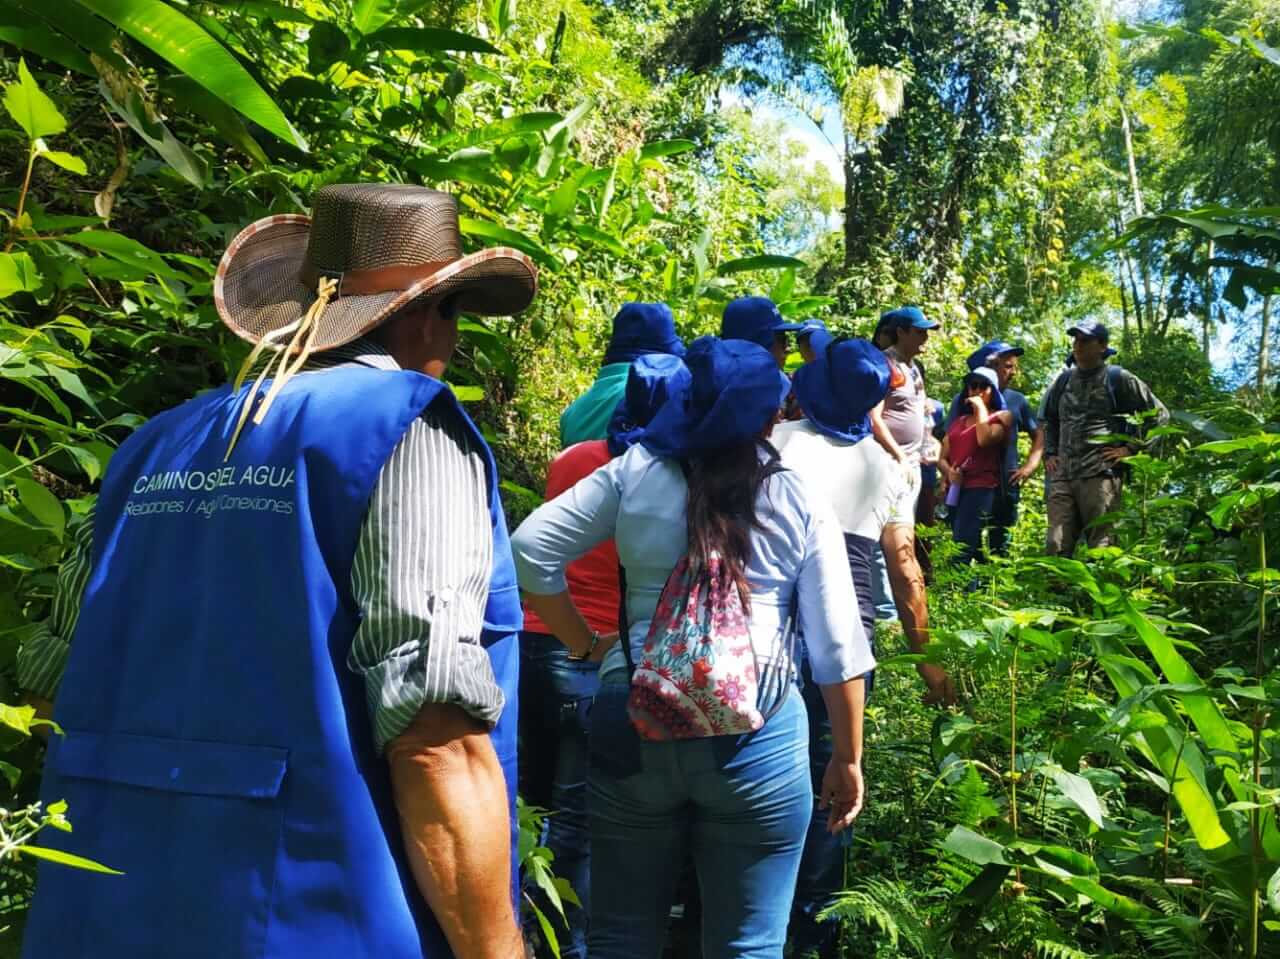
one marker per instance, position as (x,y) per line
(905,316)
(754,319)
(1094,330)
(991,350)
(811,326)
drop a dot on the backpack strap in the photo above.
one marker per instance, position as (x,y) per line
(1115,376)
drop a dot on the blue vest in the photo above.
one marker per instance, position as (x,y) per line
(218,749)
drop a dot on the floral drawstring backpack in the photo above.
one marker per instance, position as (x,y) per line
(698,673)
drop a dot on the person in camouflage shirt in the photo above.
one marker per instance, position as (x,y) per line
(1088,400)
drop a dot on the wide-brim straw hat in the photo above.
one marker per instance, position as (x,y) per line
(382,246)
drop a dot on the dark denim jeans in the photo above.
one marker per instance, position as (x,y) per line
(739,804)
(555,697)
(821,873)
(971,515)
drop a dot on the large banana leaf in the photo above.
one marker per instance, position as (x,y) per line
(188,47)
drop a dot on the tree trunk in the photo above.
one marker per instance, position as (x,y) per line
(1139,209)
(1207,295)
(1264,341)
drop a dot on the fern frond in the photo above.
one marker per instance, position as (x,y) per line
(1048,949)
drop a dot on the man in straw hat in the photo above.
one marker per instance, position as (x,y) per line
(289,708)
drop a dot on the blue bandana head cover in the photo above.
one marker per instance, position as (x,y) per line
(640,329)
(755,319)
(651,382)
(736,391)
(990,350)
(838,390)
(984,376)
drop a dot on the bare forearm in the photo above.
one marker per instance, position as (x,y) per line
(845,702)
(452,802)
(1037,451)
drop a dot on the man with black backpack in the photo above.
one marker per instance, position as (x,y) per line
(1086,401)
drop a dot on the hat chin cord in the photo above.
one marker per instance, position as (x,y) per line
(303,340)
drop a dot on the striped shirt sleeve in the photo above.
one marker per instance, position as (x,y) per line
(43,647)
(421,578)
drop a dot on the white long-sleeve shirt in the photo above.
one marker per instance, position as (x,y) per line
(639,500)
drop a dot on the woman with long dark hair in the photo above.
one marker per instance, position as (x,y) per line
(703,493)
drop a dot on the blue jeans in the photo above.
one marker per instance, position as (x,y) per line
(969,518)
(822,865)
(881,591)
(740,804)
(555,696)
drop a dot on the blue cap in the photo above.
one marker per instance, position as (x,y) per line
(811,326)
(736,391)
(1094,329)
(754,319)
(640,329)
(838,390)
(990,350)
(905,316)
(652,380)
(988,377)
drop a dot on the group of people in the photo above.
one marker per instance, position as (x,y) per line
(289,713)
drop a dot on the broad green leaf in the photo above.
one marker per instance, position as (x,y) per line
(606,197)
(40,503)
(17,717)
(326,45)
(126,249)
(762,262)
(189,95)
(30,107)
(42,41)
(176,38)
(71,383)
(666,148)
(67,859)
(1091,889)
(1273,891)
(72,164)
(1264,51)
(133,111)
(600,238)
(11,773)
(967,844)
(534,122)
(429,39)
(270,11)
(548,932)
(565,197)
(1080,791)
(468,394)
(369,15)
(17,274)
(491,231)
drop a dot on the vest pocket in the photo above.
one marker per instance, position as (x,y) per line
(196,829)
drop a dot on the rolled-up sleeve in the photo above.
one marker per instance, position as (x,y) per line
(564,528)
(838,646)
(421,579)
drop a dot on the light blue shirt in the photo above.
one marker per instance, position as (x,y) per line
(639,501)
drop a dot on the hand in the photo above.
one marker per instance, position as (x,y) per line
(941,691)
(977,405)
(1114,454)
(1051,465)
(606,643)
(842,793)
(1020,475)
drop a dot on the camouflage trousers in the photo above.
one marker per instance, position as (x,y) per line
(1073,505)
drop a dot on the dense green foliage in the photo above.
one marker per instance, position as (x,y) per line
(1108,785)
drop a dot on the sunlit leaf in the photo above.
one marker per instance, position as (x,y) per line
(17,274)
(30,107)
(429,39)
(66,859)
(175,37)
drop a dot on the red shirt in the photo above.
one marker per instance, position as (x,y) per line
(979,464)
(593,577)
